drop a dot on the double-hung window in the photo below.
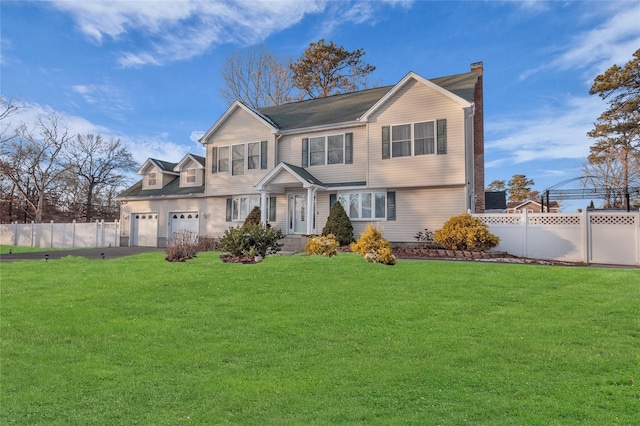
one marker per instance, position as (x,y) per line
(364,205)
(152,179)
(191,175)
(424,138)
(325,150)
(241,157)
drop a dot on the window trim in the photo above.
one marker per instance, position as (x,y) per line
(217,158)
(155,179)
(439,138)
(359,195)
(191,173)
(347,149)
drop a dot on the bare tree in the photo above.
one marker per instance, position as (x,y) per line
(7,108)
(98,164)
(614,170)
(257,78)
(31,160)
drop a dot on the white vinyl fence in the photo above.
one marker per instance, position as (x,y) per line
(588,237)
(61,235)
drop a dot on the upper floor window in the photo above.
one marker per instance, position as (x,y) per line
(404,140)
(152,179)
(241,157)
(323,150)
(191,175)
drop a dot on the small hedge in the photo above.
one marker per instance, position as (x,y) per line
(251,240)
(465,232)
(339,225)
(181,247)
(373,247)
(322,245)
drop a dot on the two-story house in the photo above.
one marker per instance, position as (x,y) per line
(404,157)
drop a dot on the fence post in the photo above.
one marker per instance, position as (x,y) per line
(73,234)
(96,240)
(33,230)
(51,238)
(116,239)
(525,219)
(15,233)
(587,239)
(102,242)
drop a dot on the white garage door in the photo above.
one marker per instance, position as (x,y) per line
(144,229)
(184,221)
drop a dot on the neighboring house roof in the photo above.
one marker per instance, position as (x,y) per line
(520,204)
(165,166)
(495,200)
(172,188)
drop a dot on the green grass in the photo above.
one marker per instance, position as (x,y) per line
(4,249)
(312,340)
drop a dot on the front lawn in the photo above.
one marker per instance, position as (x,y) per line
(313,340)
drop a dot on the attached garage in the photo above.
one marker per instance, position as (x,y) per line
(144,229)
(184,222)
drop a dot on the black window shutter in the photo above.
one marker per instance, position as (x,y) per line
(391,205)
(332,200)
(229,207)
(442,136)
(305,152)
(348,148)
(386,143)
(214,160)
(272,208)
(263,155)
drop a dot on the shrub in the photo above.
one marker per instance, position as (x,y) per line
(251,240)
(208,243)
(373,247)
(322,245)
(465,232)
(339,225)
(253,218)
(424,237)
(181,246)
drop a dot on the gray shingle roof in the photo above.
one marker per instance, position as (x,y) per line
(164,165)
(172,188)
(351,106)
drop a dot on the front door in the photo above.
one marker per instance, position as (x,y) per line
(297,213)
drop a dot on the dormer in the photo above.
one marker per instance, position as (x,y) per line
(191,169)
(156,173)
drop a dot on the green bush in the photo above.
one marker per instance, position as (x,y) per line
(373,247)
(465,232)
(253,218)
(251,240)
(339,225)
(322,245)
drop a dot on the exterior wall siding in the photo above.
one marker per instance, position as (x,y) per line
(239,128)
(290,151)
(416,103)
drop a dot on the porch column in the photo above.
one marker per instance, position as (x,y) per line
(264,211)
(311,208)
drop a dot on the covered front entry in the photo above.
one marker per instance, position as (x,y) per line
(297,214)
(300,188)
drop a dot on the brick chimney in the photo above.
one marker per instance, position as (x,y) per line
(478,139)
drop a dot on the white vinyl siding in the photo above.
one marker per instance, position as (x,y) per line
(416,103)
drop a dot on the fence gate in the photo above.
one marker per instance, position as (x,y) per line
(613,238)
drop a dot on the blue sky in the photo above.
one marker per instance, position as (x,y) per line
(148,72)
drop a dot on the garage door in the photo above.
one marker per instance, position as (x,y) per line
(184,221)
(144,229)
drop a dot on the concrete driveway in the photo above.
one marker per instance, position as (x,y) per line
(89,253)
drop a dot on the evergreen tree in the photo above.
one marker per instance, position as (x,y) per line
(339,225)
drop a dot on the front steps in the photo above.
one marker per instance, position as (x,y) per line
(292,244)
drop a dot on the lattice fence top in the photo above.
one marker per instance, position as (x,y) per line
(555,220)
(612,219)
(511,219)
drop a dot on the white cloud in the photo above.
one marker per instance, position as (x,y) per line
(141,146)
(560,133)
(177,30)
